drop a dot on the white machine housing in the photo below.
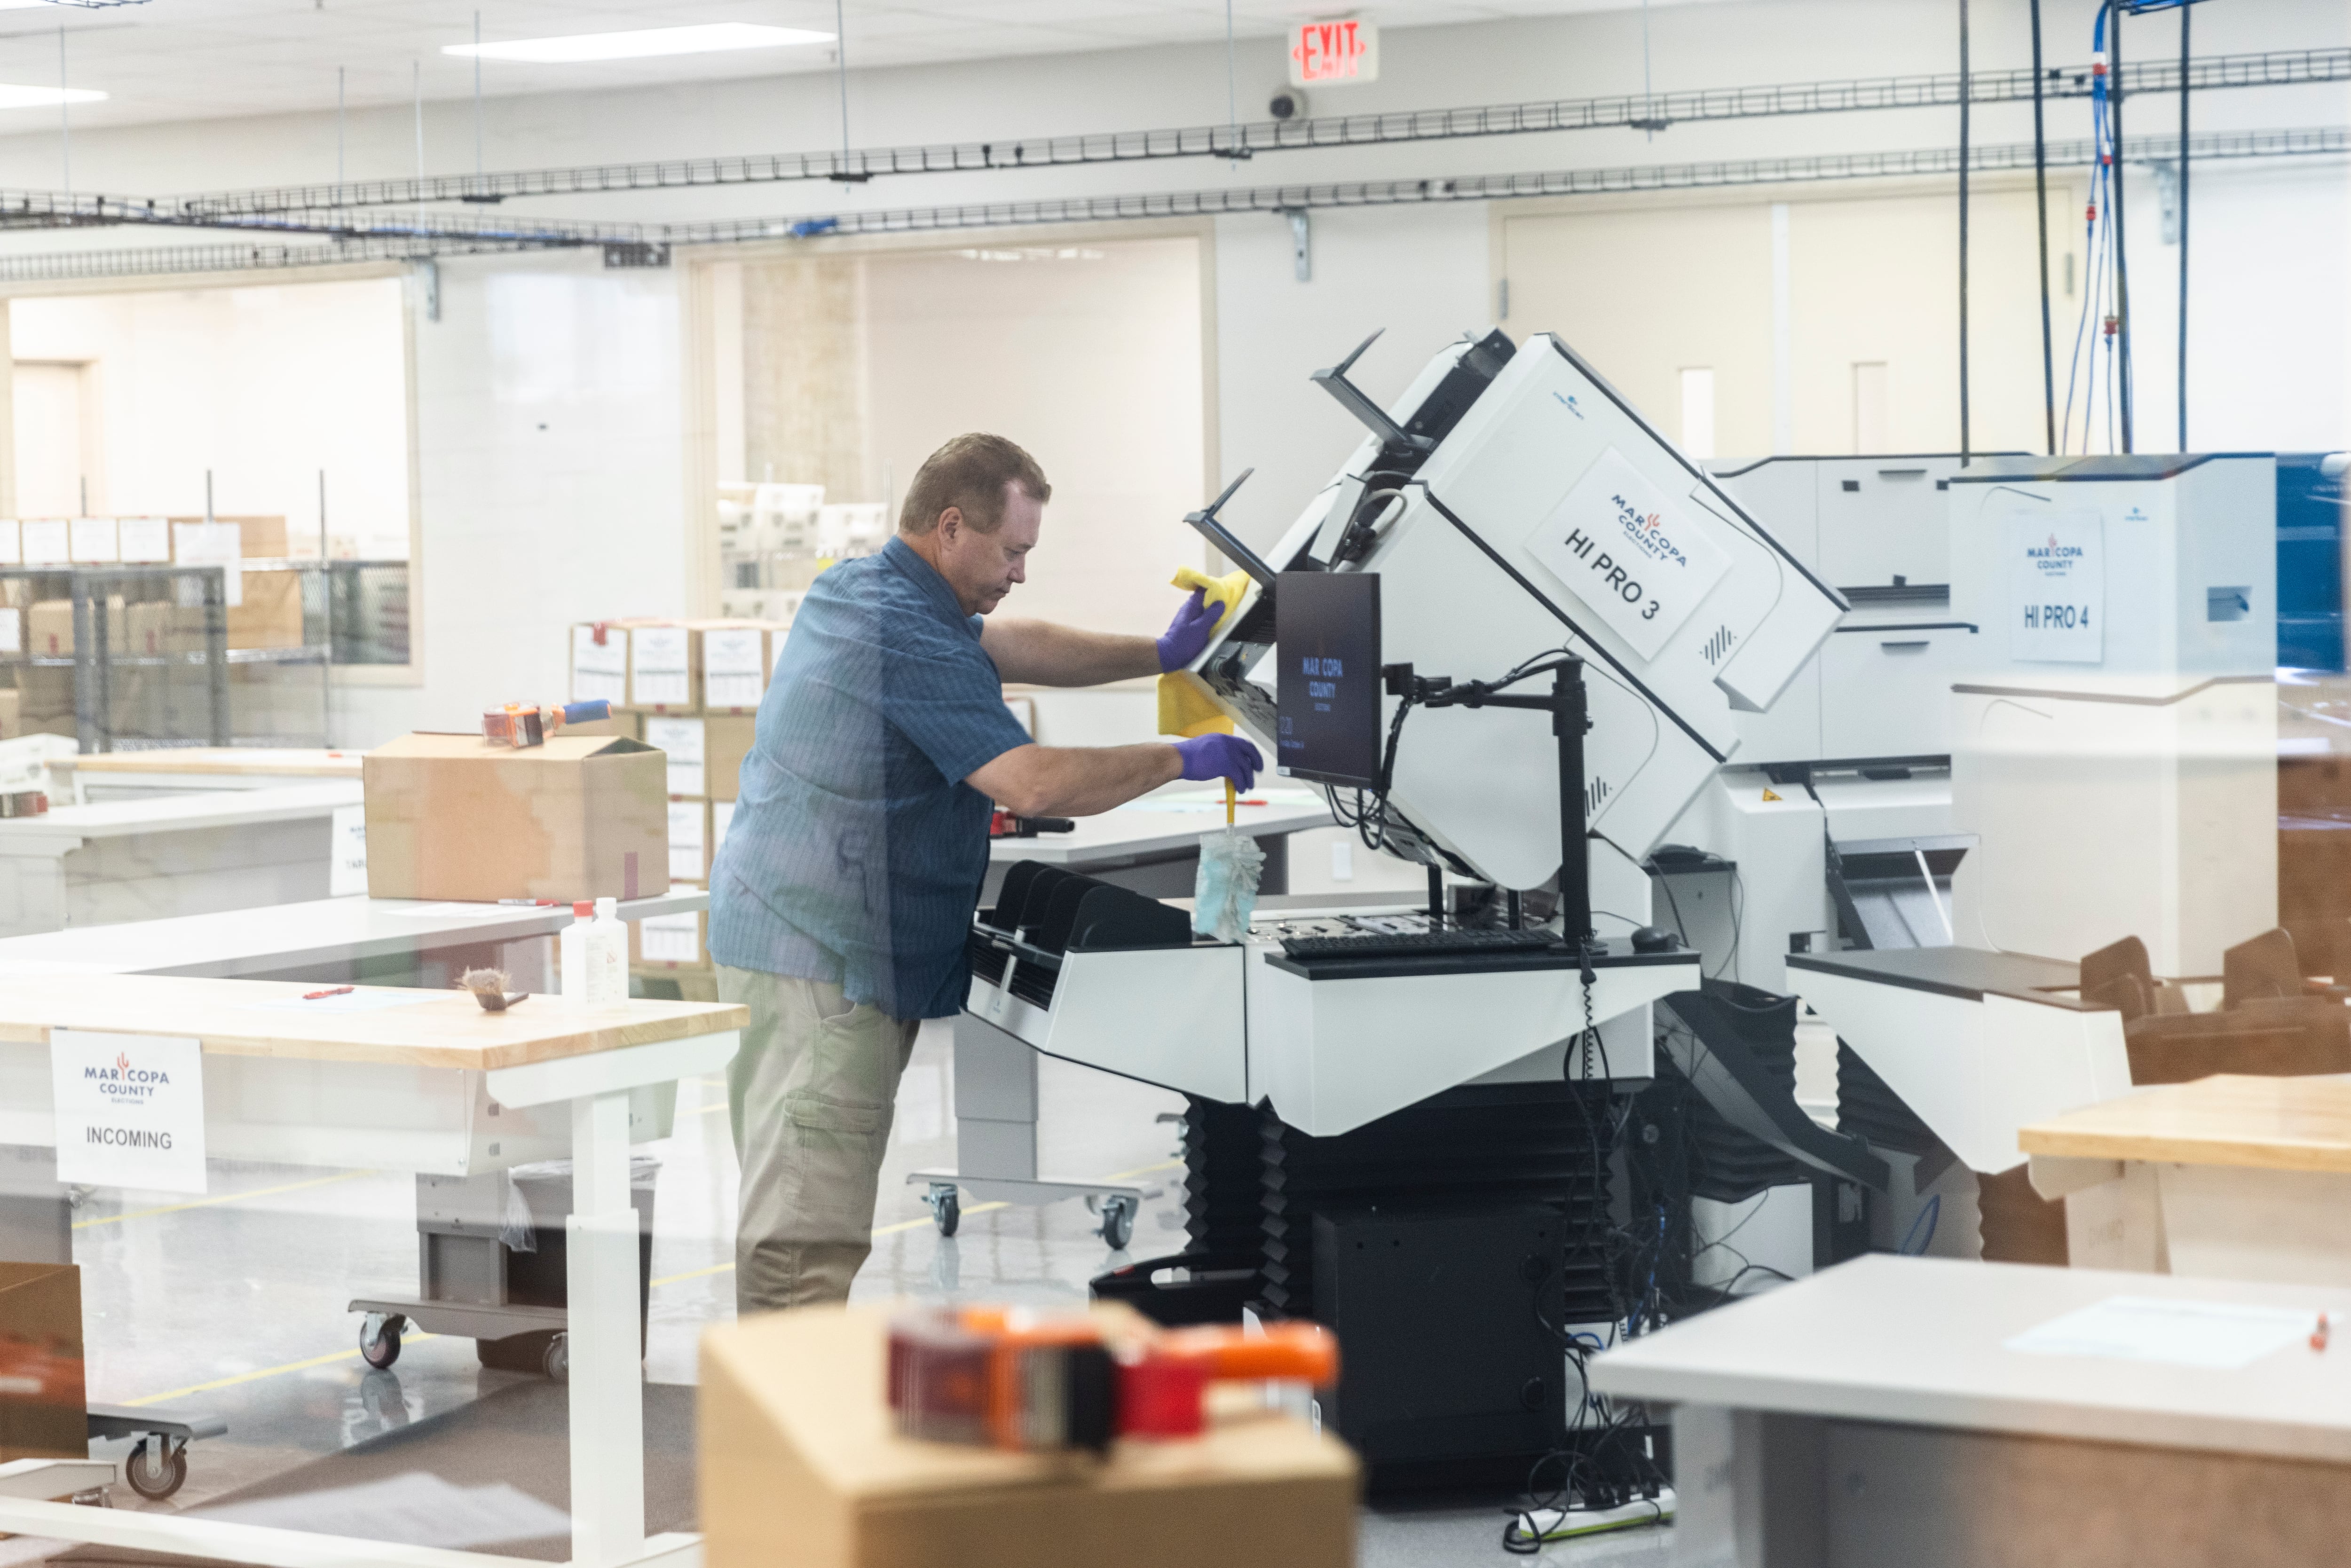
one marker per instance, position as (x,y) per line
(1878,530)
(2130,789)
(1471,566)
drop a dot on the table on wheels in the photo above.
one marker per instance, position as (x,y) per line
(417,1081)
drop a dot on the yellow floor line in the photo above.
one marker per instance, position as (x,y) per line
(264,1372)
(878,1230)
(223,1197)
(918,1224)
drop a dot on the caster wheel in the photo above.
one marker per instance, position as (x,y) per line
(156,1472)
(946,1208)
(558,1360)
(1117,1222)
(379,1338)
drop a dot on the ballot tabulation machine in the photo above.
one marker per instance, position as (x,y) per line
(1512,637)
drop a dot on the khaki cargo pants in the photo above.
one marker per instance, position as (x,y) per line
(810,1096)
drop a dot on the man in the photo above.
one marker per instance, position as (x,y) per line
(839,901)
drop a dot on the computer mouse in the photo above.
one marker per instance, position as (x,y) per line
(1654,939)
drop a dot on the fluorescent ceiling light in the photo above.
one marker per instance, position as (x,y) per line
(13,96)
(642,44)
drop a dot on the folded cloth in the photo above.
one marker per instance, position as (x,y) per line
(1185,708)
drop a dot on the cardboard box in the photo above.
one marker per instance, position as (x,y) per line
(49,627)
(663,677)
(799,1464)
(598,658)
(689,840)
(43,695)
(155,626)
(260,539)
(727,741)
(44,1404)
(454,817)
(682,741)
(620,723)
(271,613)
(732,659)
(11,714)
(668,944)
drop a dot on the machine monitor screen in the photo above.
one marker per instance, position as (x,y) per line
(1327,635)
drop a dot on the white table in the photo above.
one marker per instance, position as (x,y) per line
(184,770)
(321,938)
(150,856)
(1874,1415)
(2234,1176)
(415,1088)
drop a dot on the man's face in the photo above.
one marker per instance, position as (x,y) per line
(982,568)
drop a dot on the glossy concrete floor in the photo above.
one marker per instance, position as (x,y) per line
(235,1304)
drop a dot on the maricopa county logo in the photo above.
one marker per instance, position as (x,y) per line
(124,1084)
(2052,557)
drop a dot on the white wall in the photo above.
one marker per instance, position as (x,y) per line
(551,478)
(265,387)
(527,529)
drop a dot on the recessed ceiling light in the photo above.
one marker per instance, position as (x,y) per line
(642,44)
(12,97)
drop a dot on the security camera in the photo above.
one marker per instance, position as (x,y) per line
(1288,104)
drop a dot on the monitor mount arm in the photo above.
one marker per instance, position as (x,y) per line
(1571,720)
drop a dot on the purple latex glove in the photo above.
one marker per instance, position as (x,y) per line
(1188,633)
(1208,757)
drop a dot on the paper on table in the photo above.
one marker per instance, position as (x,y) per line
(370,1001)
(413,1510)
(2220,1336)
(460,911)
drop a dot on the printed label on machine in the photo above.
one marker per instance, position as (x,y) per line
(129,1110)
(2057,585)
(1623,549)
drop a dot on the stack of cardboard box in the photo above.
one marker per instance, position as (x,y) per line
(692,690)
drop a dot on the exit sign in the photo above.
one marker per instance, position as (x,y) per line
(1345,50)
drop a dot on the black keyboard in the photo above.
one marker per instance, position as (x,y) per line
(1418,944)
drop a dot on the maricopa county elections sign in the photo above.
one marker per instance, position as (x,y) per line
(2056,585)
(129,1110)
(1627,551)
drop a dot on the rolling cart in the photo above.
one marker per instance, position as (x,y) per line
(491,1260)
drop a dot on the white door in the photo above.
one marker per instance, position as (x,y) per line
(1671,305)
(52,440)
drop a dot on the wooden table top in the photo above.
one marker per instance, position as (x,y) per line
(225,760)
(268,1018)
(2268,1123)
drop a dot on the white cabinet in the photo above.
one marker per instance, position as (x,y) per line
(1885,691)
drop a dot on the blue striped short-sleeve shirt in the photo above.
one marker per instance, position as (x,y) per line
(856,852)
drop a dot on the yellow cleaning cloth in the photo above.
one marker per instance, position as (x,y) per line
(1226,590)
(1185,708)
